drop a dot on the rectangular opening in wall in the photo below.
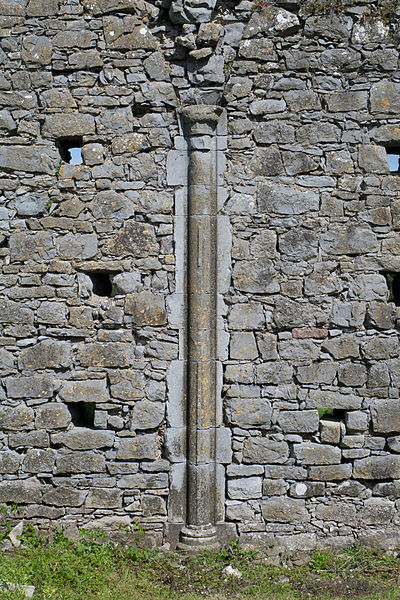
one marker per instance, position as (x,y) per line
(70,150)
(393,154)
(393,283)
(82,414)
(102,283)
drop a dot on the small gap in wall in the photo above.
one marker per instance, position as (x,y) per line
(4,242)
(82,414)
(393,283)
(102,283)
(70,150)
(393,155)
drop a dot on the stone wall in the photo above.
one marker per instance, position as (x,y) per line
(303,444)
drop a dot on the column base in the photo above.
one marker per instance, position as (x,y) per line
(195,538)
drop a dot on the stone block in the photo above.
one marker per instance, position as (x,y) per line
(37,49)
(153,505)
(39,461)
(344,346)
(347,101)
(352,239)
(377,467)
(243,346)
(29,439)
(256,276)
(386,416)
(80,462)
(103,498)
(77,246)
(267,162)
(147,415)
(53,415)
(247,316)
(380,348)
(52,313)
(146,309)
(277,199)
(64,496)
(264,450)
(297,245)
(127,384)
(356,420)
(245,488)
(37,386)
(134,239)
(309,453)
(111,205)
(16,417)
(384,96)
(107,354)
(342,512)
(352,374)
(274,373)
(128,33)
(381,315)
(26,246)
(293,421)
(330,431)
(66,125)
(331,472)
(9,461)
(248,412)
(260,49)
(27,491)
(146,481)
(373,159)
(42,8)
(141,447)
(284,510)
(267,346)
(348,314)
(90,390)
(318,372)
(81,38)
(307,490)
(298,351)
(81,438)
(331,399)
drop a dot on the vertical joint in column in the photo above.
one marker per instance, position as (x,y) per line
(200,127)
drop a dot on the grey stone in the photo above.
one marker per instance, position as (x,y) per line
(291,421)
(127,384)
(37,159)
(248,412)
(39,461)
(264,451)
(309,453)
(53,313)
(77,246)
(145,481)
(386,416)
(260,49)
(31,204)
(141,447)
(247,316)
(80,462)
(379,348)
(52,416)
(81,438)
(267,162)
(384,96)
(298,351)
(91,390)
(37,49)
(146,309)
(103,498)
(68,125)
(274,373)
(321,372)
(243,346)
(9,462)
(115,122)
(267,346)
(377,467)
(37,386)
(111,205)
(64,496)
(352,374)
(373,159)
(27,491)
(340,513)
(331,472)
(48,354)
(29,439)
(282,200)
(351,239)
(356,420)
(298,245)
(332,399)
(284,510)
(107,354)
(153,505)
(344,346)
(126,283)
(348,314)
(147,415)
(16,417)
(256,276)
(25,246)
(137,239)
(347,101)
(245,488)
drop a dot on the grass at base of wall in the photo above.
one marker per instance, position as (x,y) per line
(92,569)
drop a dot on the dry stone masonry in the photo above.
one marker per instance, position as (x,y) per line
(200,269)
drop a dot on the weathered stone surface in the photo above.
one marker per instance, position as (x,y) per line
(141,447)
(343,513)
(264,451)
(309,453)
(327,399)
(377,467)
(9,461)
(127,384)
(111,205)
(42,8)
(256,276)
(352,239)
(39,159)
(380,348)
(305,421)
(344,346)
(135,239)
(146,309)
(37,386)
(128,34)
(48,354)
(331,472)
(27,491)
(249,412)
(52,416)
(92,390)
(386,416)
(81,462)
(243,346)
(78,246)
(16,417)
(245,488)
(29,439)
(384,96)
(284,510)
(39,461)
(103,498)
(68,125)
(247,316)
(64,496)
(81,438)
(274,373)
(106,354)
(147,415)
(282,200)
(37,49)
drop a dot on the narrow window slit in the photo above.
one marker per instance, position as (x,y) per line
(82,414)
(102,283)
(393,283)
(393,155)
(70,150)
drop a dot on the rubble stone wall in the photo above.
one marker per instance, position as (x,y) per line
(94,265)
